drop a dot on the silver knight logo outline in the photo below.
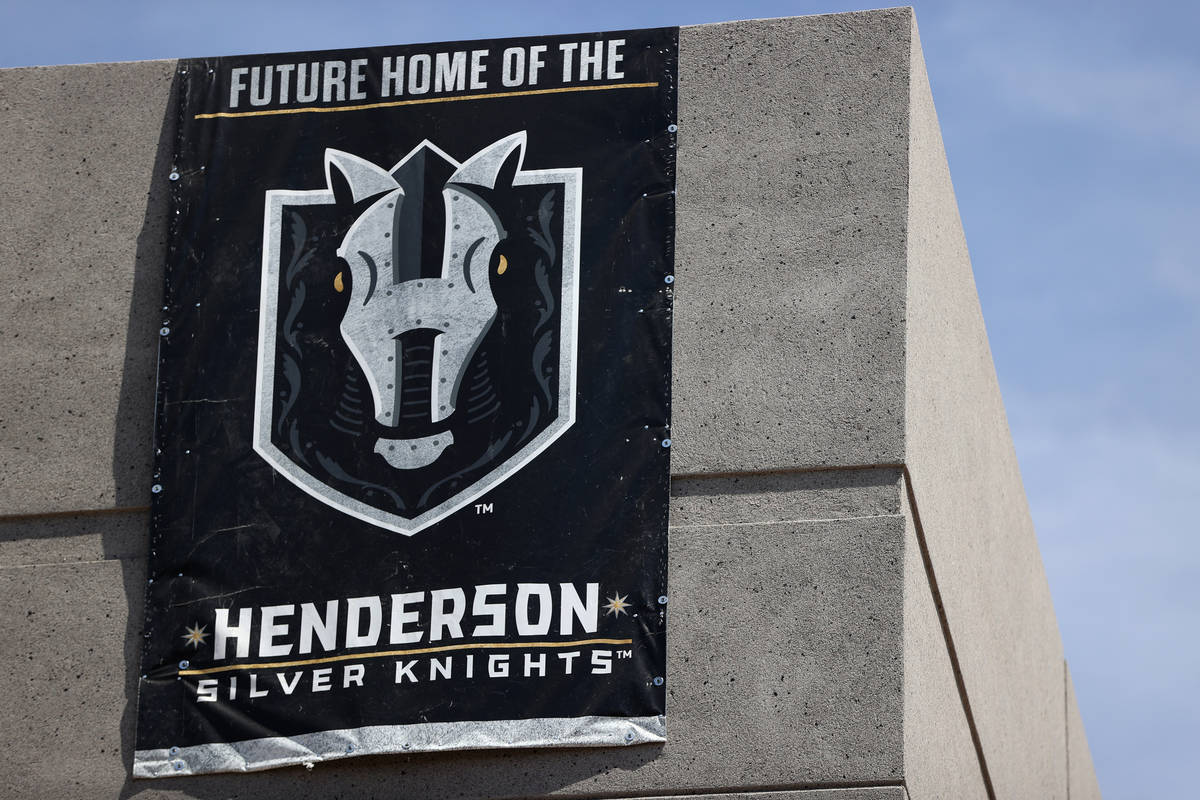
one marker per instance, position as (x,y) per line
(419,340)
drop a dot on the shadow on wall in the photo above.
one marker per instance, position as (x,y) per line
(133,439)
(480,774)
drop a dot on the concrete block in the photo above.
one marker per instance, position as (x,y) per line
(790,280)
(71,640)
(968,488)
(1081,773)
(789,313)
(29,541)
(940,760)
(81,255)
(785,670)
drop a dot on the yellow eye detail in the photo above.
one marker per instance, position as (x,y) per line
(503,266)
(337,283)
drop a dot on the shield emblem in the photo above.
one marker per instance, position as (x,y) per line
(417,329)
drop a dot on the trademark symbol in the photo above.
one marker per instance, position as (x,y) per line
(484,508)
(624,654)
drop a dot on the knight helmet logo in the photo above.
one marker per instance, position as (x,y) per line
(417,341)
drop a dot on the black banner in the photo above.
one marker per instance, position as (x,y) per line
(412,430)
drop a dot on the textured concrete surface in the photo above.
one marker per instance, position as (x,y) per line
(939,756)
(786,670)
(790,247)
(1081,773)
(968,488)
(81,254)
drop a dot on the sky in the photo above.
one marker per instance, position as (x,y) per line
(1072,132)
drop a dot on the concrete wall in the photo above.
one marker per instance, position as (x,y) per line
(859,611)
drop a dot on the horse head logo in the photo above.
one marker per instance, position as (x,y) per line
(418,324)
(390,301)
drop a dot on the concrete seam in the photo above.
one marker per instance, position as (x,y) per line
(81,512)
(784,471)
(783,521)
(951,651)
(67,563)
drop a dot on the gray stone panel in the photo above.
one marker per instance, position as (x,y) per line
(81,254)
(968,489)
(71,639)
(939,757)
(1081,773)
(785,670)
(789,312)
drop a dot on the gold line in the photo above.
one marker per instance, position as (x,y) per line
(424,100)
(383,654)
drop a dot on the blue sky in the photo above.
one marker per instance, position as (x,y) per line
(1072,133)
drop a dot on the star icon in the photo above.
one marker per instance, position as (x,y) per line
(617,604)
(195,635)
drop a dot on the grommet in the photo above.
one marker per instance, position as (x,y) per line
(672,128)
(163,331)
(629,736)
(174,176)
(156,488)
(666,442)
(658,681)
(184,664)
(669,279)
(174,751)
(662,599)
(406,746)
(178,766)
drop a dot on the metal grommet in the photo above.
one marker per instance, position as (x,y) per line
(163,331)
(184,664)
(669,279)
(666,442)
(629,736)
(658,681)
(672,128)
(156,488)
(174,751)
(174,175)
(662,599)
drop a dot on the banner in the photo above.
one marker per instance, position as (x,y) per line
(412,429)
